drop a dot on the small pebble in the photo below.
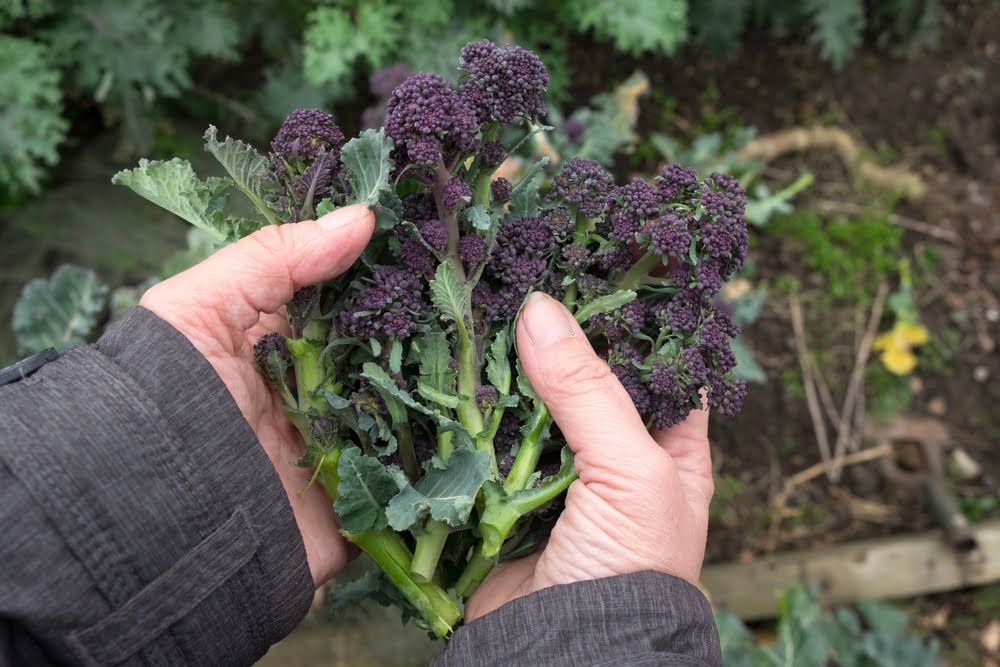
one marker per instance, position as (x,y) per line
(937,406)
(981,374)
(967,466)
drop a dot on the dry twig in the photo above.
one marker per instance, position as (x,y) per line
(855,384)
(819,426)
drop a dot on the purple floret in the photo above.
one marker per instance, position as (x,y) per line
(576,258)
(272,343)
(629,207)
(573,129)
(435,233)
(676,180)
(500,190)
(389,305)
(723,231)
(637,391)
(419,206)
(503,83)
(727,395)
(583,184)
(669,235)
(427,119)
(415,256)
(486,397)
(560,222)
(454,192)
(683,312)
(492,153)
(304,136)
(471,249)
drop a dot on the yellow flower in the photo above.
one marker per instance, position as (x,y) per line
(897,346)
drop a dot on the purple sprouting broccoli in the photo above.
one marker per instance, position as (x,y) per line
(455,193)
(500,190)
(408,359)
(502,83)
(583,185)
(429,121)
(391,304)
(573,129)
(305,135)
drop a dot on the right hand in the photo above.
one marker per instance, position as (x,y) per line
(641,502)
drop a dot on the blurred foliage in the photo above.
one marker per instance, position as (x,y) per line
(60,311)
(876,635)
(130,58)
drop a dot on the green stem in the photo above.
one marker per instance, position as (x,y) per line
(473,574)
(481,192)
(468,381)
(445,445)
(427,551)
(499,518)
(391,554)
(408,457)
(527,454)
(640,270)
(309,373)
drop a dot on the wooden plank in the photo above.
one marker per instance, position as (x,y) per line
(885,568)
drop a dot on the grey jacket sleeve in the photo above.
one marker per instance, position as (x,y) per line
(140,521)
(638,619)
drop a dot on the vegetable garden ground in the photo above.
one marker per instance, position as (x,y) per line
(934,115)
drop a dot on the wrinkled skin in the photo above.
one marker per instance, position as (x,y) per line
(641,502)
(226,303)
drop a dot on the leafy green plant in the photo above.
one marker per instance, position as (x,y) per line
(60,311)
(875,635)
(31,125)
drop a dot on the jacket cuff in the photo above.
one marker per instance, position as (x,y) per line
(159,487)
(644,618)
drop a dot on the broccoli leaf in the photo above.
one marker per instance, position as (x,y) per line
(604,304)
(364,489)
(435,361)
(448,295)
(435,396)
(636,26)
(31,124)
(497,363)
(445,493)
(385,384)
(248,169)
(524,384)
(839,27)
(746,366)
(480,217)
(174,186)
(59,312)
(366,158)
(524,196)
(372,585)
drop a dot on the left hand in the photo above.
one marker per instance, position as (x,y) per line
(224,304)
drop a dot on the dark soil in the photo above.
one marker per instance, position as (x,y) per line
(936,113)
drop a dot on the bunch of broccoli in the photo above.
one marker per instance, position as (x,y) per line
(401,375)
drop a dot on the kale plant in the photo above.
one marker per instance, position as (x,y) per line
(401,375)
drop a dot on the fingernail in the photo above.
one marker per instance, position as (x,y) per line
(546,321)
(344,216)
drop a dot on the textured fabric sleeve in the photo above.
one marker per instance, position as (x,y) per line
(142,522)
(646,618)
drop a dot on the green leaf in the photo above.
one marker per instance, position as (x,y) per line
(249,170)
(609,123)
(524,384)
(479,217)
(31,122)
(524,196)
(336,402)
(604,304)
(59,312)
(372,585)
(381,380)
(435,361)
(448,295)
(368,165)
(446,494)
(635,26)
(364,490)
(839,28)
(396,357)
(435,396)
(764,205)
(497,362)
(174,186)
(746,366)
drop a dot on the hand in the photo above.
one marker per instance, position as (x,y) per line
(641,502)
(224,304)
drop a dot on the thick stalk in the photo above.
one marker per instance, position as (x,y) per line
(309,373)
(527,454)
(473,574)
(468,381)
(404,440)
(390,553)
(427,551)
(640,270)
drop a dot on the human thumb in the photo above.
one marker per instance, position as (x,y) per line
(261,272)
(586,400)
